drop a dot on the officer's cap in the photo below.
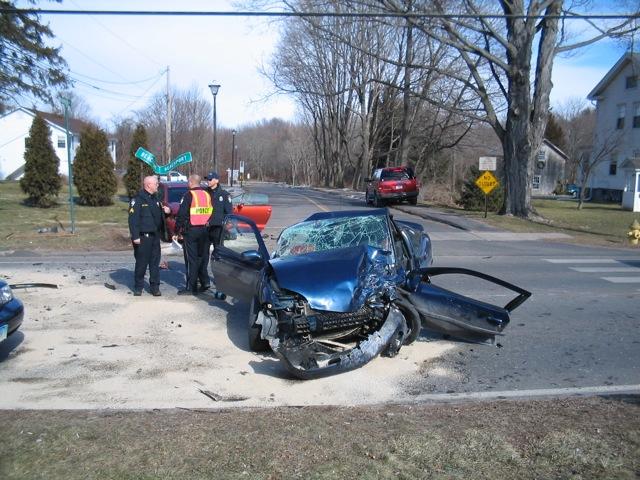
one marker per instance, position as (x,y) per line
(212,175)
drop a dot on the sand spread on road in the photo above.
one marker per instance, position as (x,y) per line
(87,346)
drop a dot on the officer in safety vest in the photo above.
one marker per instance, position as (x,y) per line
(194,213)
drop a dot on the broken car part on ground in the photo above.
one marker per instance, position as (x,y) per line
(344,287)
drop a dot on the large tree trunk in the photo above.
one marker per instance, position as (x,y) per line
(527,112)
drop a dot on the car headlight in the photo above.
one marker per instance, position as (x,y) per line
(6,295)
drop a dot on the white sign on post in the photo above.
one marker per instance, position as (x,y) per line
(487,163)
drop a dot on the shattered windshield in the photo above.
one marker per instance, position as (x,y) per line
(333,233)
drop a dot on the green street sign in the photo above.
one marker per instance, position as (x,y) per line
(150,159)
(179,160)
(147,157)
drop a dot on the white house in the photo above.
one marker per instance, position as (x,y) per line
(617,132)
(14,130)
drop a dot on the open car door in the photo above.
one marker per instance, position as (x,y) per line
(453,314)
(238,261)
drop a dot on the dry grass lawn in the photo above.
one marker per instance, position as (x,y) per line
(97,228)
(564,439)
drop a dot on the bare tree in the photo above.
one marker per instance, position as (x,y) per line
(190,127)
(368,87)
(508,48)
(578,121)
(80,109)
(606,144)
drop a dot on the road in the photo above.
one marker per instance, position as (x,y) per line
(579,328)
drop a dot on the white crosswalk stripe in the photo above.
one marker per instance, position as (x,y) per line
(605,269)
(581,260)
(618,266)
(622,279)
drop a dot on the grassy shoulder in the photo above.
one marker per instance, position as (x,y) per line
(567,438)
(97,228)
(595,223)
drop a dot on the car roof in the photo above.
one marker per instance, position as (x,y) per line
(347,213)
(175,184)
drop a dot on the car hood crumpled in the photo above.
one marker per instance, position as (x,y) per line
(338,280)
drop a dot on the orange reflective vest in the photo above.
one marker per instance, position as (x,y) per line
(201,208)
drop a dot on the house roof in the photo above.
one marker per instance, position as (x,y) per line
(627,58)
(632,163)
(75,125)
(54,119)
(555,148)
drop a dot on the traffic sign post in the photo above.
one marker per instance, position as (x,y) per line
(486,182)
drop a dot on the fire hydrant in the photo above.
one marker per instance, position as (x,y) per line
(634,233)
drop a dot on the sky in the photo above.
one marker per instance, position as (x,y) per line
(119,60)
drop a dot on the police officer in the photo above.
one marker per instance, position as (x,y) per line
(193,215)
(146,222)
(221,207)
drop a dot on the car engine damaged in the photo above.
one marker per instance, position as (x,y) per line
(342,288)
(309,359)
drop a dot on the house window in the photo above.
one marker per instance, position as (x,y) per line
(622,112)
(632,81)
(536,182)
(636,115)
(613,167)
(61,142)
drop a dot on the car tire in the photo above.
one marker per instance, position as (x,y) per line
(256,342)
(377,202)
(412,317)
(413,201)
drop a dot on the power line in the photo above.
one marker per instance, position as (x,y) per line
(186,13)
(135,101)
(95,87)
(136,82)
(133,47)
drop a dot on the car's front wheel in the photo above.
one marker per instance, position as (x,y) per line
(256,342)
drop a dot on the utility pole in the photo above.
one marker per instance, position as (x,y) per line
(67,105)
(169,115)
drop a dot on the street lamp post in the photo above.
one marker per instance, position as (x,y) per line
(214,90)
(233,153)
(67,105)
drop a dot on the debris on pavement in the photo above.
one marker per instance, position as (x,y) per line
(216,397)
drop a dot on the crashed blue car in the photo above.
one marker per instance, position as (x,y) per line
(343,287)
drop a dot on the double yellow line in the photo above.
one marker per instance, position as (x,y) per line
(324,209)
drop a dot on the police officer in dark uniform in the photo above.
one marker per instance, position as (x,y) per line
(221,207)
(192,219)
(146,223)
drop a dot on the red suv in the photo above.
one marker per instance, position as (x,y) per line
(392,184)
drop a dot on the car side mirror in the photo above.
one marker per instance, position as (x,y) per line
(252,256)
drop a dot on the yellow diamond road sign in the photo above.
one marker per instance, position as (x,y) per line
(487,182)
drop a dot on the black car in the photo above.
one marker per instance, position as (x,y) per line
(343,287)
(11,311)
